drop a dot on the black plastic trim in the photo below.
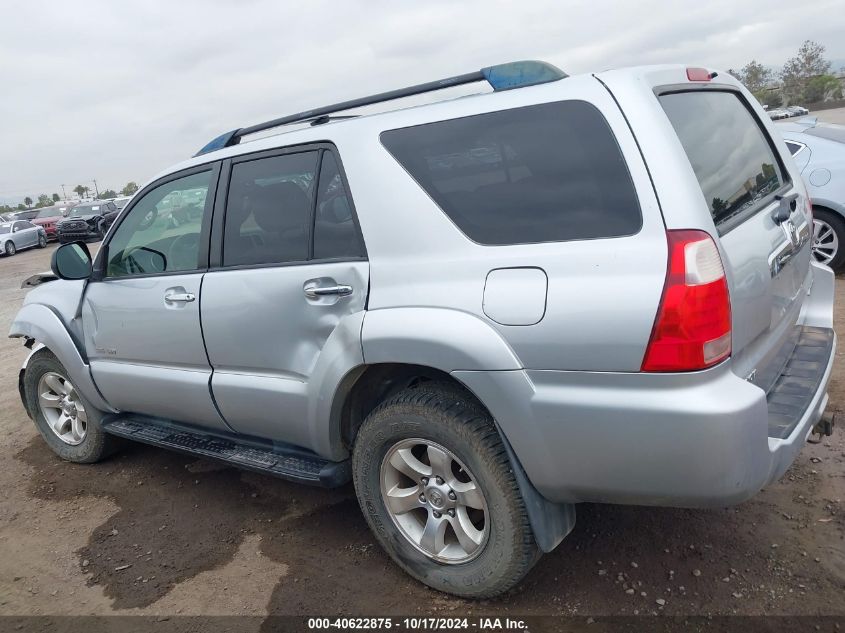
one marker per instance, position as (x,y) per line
(793,391)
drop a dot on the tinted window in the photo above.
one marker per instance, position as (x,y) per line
(268,210)
(793,148)
(335,234)
(732,158)
(542,173)
(162,231)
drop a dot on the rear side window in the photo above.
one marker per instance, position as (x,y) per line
(728,150)
(543,173)
(335,234)
(268,212)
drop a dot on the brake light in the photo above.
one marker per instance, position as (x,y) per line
(699,74)
(692,329)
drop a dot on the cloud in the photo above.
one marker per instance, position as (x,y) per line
(117,91)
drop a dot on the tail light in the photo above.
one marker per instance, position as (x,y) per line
(693,326)
(699,74)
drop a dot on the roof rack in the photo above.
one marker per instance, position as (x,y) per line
(501,77)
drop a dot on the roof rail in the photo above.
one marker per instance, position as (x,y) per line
(501,77)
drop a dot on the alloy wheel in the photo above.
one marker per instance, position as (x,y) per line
(825,241)
(62,407)
(434,501)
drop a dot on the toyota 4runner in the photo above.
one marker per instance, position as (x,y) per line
(481,311)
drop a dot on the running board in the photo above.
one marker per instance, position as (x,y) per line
(284,461)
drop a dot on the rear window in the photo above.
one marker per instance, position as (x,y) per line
(542,173)
(729,152)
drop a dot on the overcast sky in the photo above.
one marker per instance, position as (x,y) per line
(118,91)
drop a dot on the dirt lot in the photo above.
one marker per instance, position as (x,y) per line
(152,532)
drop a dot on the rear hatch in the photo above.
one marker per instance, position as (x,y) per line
(761,217)
(718,165)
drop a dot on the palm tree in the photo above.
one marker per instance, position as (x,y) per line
(28,202)
(80,190)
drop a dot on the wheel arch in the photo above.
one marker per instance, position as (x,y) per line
(365,387)
(38,323)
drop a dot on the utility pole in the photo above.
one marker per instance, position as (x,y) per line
(96,191)
(64,195)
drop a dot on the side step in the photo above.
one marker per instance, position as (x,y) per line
(279,460)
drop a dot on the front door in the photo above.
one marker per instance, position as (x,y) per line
(289,280)
(141,314)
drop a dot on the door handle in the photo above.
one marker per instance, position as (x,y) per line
(179,297)
(314,291)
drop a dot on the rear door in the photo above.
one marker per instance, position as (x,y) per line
(759,212)
(289,274)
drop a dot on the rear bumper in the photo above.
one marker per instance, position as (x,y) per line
(709,438)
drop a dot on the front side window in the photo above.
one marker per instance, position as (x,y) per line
(162,231)
(732,158)
(268,210)
(542,173)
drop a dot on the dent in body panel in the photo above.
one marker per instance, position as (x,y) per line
(43,325)
(278,354)
(443,339)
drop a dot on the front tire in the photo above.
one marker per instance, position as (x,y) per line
(66,421)
(436,487)
(9,248)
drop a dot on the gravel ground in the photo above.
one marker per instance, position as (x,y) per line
(157,533)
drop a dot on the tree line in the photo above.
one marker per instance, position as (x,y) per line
(805,77)
(45,200)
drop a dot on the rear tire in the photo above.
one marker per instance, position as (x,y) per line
(829,238)
(427,422)
(9,248)
(42,241)
(76,438)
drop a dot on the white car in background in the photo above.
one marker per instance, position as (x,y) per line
(819,151)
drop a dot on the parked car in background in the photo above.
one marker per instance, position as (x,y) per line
(86,221)
(777,114)
(819,151)
(796,110)
(48,217)
(121,202)
(20,234)
(648,328)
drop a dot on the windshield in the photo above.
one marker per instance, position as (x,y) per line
(86,210)
(5,228)
(49,212)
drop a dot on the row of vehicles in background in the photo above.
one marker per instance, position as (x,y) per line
(63,221)
(787,112)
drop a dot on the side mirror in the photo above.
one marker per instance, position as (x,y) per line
(72,261)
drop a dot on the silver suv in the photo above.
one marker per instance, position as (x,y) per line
(481,311)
